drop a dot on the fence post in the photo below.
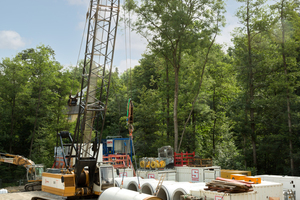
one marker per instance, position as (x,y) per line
(0,183)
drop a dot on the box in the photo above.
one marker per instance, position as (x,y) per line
(237,176)
(197,174)
(128,172)
(268,189)
(213,195)
(254,179)
(225,173)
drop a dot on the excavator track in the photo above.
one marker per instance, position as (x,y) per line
(35,186)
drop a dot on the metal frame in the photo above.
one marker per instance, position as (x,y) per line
(103,19)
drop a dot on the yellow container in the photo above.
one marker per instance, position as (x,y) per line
(237,176)
(256,180)
(225,173)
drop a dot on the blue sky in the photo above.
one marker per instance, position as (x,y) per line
(59,24)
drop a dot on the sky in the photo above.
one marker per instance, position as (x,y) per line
(60,24)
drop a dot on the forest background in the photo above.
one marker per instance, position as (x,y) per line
(239,106)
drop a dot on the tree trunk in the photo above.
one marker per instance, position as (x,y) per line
(287,90)
(193,138)
(12,124)
(215,120)
(168,103)
(176,69)
(35,121)
(251,88)
(245,163)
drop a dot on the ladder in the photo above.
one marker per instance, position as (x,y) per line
(159,184)
(291,195)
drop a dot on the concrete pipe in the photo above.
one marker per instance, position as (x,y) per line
(133,185)
(149,188)
(126,180)
(124,194)
(170,190)
(186,189)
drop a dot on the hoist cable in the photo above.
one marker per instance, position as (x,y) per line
(75,72)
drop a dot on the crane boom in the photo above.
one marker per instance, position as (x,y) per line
(103,20)
(99,51)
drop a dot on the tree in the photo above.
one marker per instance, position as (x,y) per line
(288,21)
(43,70)
(173,27)
(252,16)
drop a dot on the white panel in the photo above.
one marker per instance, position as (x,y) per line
(53,182)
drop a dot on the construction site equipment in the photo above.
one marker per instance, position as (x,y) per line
(117,145)
(237,176)
(181,159)
(254,179)
(89,175)
(34,171)
(201,162)
(159,185)
(225,173)
(117,193)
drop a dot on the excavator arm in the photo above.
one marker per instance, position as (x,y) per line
(17,160)
(34,172)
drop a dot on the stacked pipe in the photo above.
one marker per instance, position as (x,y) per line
(124,194)
(170,190)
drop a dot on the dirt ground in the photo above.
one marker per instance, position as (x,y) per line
(18,193)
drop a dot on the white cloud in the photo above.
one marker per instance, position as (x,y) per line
(78,2)
(11,40)
(123,65)
(226,33)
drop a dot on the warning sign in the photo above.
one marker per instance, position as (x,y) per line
(218,198)
(151,176)
(195,175)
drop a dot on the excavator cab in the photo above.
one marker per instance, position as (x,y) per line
(34,172)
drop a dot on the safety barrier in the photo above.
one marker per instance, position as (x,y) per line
(181,159)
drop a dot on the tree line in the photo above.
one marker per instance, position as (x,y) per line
(237,105)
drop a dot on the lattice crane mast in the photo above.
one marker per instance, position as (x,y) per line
(102,20)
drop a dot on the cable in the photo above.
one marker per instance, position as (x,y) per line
(75,72)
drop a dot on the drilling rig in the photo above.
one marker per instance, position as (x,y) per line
(89,176)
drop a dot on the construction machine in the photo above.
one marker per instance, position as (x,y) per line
(34,171)
(89,175)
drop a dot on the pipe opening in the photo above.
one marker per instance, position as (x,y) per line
(177,195)
(132,187)
(162,194)
(146,190)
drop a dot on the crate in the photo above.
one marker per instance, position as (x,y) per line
(225,173)
(201,162)
(183,159)
(268,189)
(214,195)
(237,176)
(256,180)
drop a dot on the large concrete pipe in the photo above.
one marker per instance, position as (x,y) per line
(115,193)
(186,189)
(170,190)
(149,188)
(126,180)
(134,185)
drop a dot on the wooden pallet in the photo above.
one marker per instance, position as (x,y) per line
(229,186)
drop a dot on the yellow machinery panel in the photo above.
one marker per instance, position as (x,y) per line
(226,173)
(59,184)
(256,180)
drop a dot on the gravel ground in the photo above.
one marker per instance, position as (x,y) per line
(18,193)
(28,195)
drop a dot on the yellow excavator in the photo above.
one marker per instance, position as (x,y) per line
(34,171)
